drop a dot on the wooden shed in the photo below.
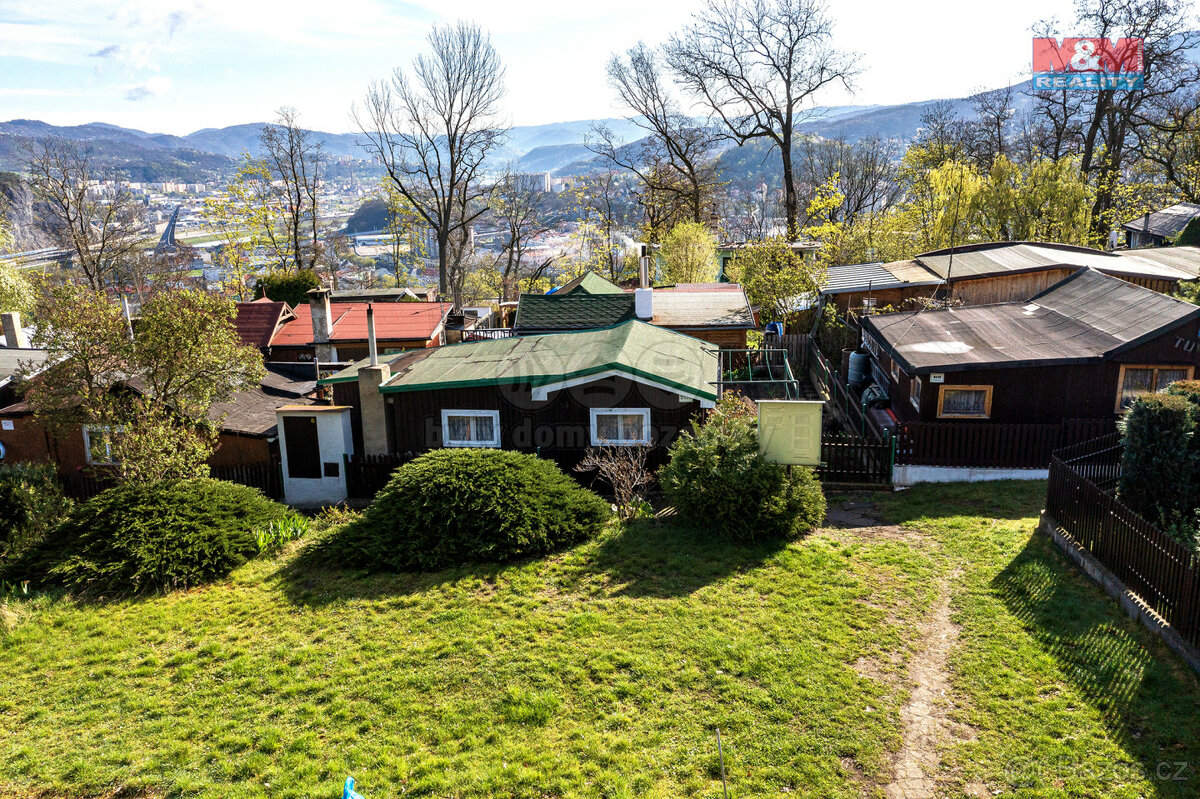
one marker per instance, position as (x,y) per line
(1082,349)
(993,272)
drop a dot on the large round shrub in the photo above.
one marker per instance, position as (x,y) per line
(174,533)
(718,480)
(451,506)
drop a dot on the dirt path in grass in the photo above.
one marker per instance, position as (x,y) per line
(925,716)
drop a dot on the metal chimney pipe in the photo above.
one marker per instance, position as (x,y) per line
(644,268)
(372,348)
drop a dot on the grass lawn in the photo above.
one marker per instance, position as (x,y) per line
(602,672)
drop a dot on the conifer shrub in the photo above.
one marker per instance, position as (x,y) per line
(718,480)
(1159,461)
(452,506)
(156,536)
(31,504)
(291,287)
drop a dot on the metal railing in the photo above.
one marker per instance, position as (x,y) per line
(758,373)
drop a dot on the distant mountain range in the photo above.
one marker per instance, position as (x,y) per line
(556,147)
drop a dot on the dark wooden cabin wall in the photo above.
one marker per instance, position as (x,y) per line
(557,428)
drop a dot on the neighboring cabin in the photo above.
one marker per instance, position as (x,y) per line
(1082,349)
(554,394)
(718,313)
(247,433)
(333,331)
(1158,228)
(979,274)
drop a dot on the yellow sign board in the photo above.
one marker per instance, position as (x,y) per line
(789,431)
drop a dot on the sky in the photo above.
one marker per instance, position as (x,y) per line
(176,66)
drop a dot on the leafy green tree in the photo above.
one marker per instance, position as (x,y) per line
(153,392)
(689,254)
(1190,235)
(777,279)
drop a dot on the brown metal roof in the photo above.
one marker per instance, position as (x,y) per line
(1087,316)
(257,321)
(252,412)
(993,259)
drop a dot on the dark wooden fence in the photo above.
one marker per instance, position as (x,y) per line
(267,477)
(1160,570)
(989,445)
(367,474)
(82,486)
(855,461)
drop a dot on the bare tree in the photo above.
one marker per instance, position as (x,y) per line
(1171,142)
(758,65)
(98,223)
(865,171)
(942,134)
(990,132)
(433,131)
(1112,119)
(292,159)
(519,207)
(675,160)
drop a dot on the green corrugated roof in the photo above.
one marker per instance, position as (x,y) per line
(590,283)
(350,373)
(579,311)
(633,348)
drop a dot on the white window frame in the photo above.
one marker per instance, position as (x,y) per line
(449,442)
(914,391)
(87,445)
(895,370)
(643,412)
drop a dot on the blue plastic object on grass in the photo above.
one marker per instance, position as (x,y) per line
(348,792)
(775,328)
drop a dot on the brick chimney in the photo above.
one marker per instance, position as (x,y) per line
(322,322)
(14,335)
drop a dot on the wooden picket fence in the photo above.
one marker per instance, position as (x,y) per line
(1162,572)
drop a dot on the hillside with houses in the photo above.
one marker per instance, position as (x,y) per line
(758,439)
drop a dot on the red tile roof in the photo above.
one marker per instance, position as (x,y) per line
(394,321)
(256,321)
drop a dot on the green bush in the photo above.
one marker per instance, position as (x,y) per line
(291,287)
(139,537)
(1190,235)
(1159,461)
(31,504)
(718,480)
(452,506)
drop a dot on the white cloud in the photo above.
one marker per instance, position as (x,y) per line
(147,89)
